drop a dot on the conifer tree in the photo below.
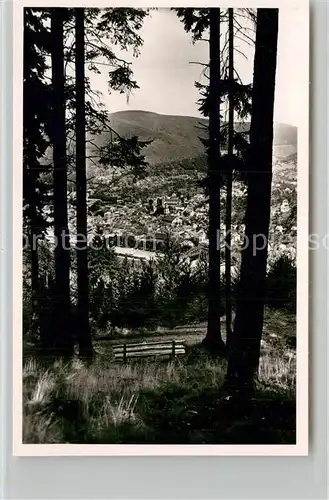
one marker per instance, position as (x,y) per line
(63,341)
(83,324)
(246,338)
(213,339)
(45,138)
(197,21)
(229,177)
(36,108)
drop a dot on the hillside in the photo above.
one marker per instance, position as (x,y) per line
(176,137)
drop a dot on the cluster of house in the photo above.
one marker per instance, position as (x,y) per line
(137,227)
(165,206)
(172,210)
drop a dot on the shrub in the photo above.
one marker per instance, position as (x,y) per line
(281,284)
(134,294)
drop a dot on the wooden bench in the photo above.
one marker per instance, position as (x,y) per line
(169,348)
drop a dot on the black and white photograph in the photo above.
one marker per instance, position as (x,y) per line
(164,238)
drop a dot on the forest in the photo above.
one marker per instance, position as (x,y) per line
(159,251)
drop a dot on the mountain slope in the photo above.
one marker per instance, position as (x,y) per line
(174,137)
(177,137)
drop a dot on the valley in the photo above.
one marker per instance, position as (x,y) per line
(119,203)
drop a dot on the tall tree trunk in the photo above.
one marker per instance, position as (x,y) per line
(35,291)
(34,267)
(84,334)
(244,355)
(30,196)
(213,339)
(63,342)
(228,210)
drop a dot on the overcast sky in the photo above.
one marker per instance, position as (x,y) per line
(166,76)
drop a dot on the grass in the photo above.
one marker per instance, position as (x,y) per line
(154,401)
(275,320)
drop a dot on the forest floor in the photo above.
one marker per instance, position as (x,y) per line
(152,401)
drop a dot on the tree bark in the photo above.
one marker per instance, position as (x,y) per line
(228,208)
(63,342)
(34,281)
(246,342)
(213,339)
(83,324)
